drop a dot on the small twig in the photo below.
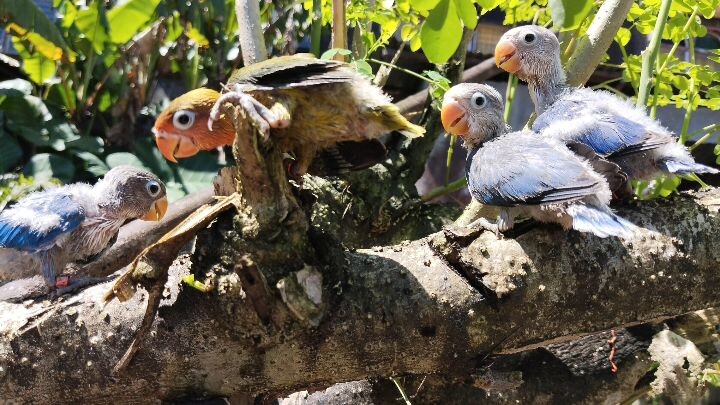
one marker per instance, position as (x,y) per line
(417,391)
(154,298)
(441,191)
(402,391)
(611,342)
(383,74)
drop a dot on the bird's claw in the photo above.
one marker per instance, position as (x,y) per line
(483,224)
(261,117)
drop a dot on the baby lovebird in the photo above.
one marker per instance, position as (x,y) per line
(612,127)
(526,174)
(311,106)
(77,221)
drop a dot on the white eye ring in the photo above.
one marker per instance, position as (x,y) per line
(153,188)
(478,100)
(184,119)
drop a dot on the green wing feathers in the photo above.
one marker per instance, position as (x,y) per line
(390,117)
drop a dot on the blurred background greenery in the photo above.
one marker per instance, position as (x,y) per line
(83,80)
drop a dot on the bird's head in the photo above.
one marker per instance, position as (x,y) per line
(127,192)
(529,51)
(474,112)
(181,130)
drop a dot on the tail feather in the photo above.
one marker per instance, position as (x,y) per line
(600,222)
(685,167)
(391,117)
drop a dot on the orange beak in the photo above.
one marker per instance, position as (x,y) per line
(454,119)
(157,211)
(175,146)
(506,57)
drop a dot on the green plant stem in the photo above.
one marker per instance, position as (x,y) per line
(630,71)
(651,52)
(510,96)
(441,191)
(316,30)
(691,97)
(702,140)
(398,68)
(685,29)
(707,129)
(448,160)
(402,391)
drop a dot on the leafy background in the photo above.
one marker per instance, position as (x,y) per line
(98,74)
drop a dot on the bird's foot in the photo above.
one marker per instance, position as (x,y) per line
(483,224)
(64,285)
(261,117)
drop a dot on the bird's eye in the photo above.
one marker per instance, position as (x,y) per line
(529,37)
(183,119)
(478,100)
(153,188)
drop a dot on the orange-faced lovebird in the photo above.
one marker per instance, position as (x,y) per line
(526,174)
(77,221)
(612,127)
(308,105)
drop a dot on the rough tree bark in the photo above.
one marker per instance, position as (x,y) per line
(437,305)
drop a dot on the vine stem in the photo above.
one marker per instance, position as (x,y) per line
(441,191)
(650,54)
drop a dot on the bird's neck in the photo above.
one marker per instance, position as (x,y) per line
(546,89)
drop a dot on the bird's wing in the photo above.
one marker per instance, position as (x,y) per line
(36,223)
(524,169)
(608,126)
(284,72)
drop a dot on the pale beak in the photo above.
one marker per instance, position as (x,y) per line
(157,211)
(454,118)
(506,57)
(175,146)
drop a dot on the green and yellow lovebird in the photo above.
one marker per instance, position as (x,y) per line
(309,107)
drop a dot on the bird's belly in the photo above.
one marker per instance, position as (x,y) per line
(90,240)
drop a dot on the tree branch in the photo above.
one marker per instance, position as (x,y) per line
(250,35)
(592,46)
(431,306)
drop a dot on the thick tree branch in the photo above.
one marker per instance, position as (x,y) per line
(592,46)
(437,306)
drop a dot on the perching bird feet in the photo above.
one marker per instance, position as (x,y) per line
(261,117)
(483,223)
(64,284)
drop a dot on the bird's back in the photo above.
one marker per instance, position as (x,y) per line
(293,71)
(522,168)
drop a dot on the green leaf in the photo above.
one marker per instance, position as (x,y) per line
(467,12)
(90,22)
(569,14)
(330,53)
(487,5)
(124,158)
(441,33)
(26,14)
(39,68)
(623,36)
(93,164)
(45,166)
(423,5)
(128,19)
(10,151)
(363,68)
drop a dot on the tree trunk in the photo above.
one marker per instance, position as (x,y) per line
(438,306)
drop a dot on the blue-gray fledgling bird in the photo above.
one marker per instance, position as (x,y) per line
(74,222)
(612,127)
(526,174)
